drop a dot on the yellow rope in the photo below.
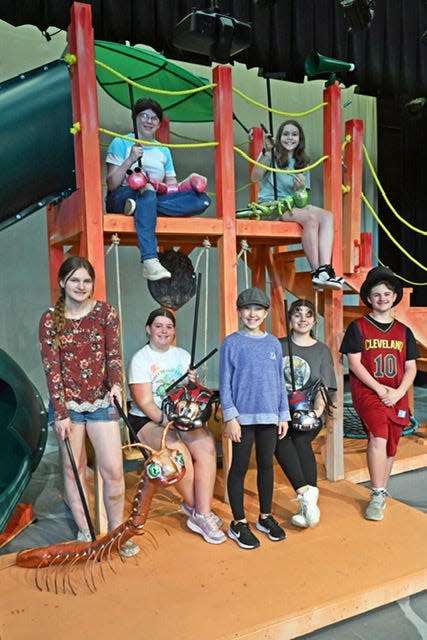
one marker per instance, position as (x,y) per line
(347,141)
(416,284)
(405,222)
(158,144)
(268,168)
(276,111)
(144,88)
(244,143)
(387,232)
(245,186)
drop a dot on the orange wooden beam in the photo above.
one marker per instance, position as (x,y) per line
(333,301)
(225,198)
(86,147)
(352,196)
(332,176)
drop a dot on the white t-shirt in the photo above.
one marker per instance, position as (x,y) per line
(159,368)
(156,161)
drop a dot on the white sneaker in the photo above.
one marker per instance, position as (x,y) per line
(309,508)
(299,521)
(207,527)
(83,535)
(130,206)
(129,549)
(188,511)
(376,506)
(153,270)
(299,518)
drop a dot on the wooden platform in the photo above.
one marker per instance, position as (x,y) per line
(176,231)
(183,588)
(412,454)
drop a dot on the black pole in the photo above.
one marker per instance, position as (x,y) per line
(135,126)
(80,489)
(270,124)
(195,321)
(288,335)
(125,420)
(198,364)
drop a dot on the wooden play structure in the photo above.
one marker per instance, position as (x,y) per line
(79,221)
(317,577)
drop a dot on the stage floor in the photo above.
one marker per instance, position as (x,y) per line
(183,588)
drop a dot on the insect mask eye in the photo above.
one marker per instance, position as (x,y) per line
(153,470)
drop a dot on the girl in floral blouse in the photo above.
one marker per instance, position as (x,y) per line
(80,349)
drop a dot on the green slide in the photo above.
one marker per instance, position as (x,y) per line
(23,434)
(37,147)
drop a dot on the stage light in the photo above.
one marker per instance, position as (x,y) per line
(358,13)
(211,34)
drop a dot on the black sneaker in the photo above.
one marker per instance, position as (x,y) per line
(325,278)
(240,532)
(271,527)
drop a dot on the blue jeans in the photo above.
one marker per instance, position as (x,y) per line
(149,205)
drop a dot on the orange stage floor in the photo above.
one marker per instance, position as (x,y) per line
(183,588)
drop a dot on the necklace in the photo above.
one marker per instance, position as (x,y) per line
(76,324)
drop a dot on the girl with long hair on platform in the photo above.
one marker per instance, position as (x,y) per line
(287,151)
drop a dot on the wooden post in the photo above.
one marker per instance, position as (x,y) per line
(226,209)
(86,146)
(333,309)
(352,195)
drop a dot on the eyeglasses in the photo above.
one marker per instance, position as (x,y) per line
(146,117)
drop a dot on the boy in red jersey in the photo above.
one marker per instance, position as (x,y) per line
(381,354)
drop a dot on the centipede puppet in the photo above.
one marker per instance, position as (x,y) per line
(162,468)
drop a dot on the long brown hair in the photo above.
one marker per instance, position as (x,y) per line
(300,155)
(66,270)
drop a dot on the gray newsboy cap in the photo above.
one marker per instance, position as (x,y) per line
(252,296)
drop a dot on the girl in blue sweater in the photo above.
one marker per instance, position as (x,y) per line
(255,409)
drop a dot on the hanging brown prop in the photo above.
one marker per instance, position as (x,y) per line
(175,291)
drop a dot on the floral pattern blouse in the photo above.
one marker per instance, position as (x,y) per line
(87,358)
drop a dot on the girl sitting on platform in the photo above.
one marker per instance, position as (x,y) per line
(156,190)
(288,152)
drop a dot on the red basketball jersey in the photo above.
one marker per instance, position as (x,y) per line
(384,356)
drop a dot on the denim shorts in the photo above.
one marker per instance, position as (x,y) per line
(108,414)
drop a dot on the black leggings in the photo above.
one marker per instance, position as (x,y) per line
(296,458)
(265,436)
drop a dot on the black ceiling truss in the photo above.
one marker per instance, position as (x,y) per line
(390,53)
